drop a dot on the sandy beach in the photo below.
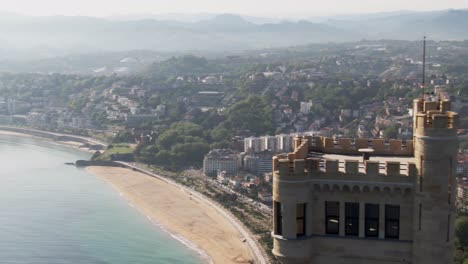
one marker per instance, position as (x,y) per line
(180,213)
(186,216)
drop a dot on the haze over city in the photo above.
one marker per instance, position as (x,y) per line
(293,8)
(234,131)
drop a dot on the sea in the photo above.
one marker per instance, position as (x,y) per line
(51,213)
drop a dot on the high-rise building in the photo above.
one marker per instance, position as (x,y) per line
(268,143)
(253,144)
(395,204)
(284,143)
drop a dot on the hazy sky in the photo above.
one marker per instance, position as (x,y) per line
(247,7)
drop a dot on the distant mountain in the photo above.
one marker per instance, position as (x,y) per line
(188,18)
(438,25)
(222,32)
(224,22)
(44,37)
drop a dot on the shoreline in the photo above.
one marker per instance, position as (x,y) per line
(185,216)
(59,138)
(252,251)
(190,245)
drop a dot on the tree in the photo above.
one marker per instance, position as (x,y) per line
(390,132)
(220,133)
(250,114)
(461,231)
(168,138)
(123,137)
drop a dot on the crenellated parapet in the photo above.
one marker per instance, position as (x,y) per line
(437,119)
(300,164)
(327,175)
(347,146)
(311,167)
(421,105)
(434,117)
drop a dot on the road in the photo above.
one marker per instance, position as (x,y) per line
(263,207)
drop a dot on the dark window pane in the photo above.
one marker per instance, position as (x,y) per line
(279,218)
(333,225)
(332,216)
(352,210)
(300,210)
(392,229)
(372,211)
(300,227)
(332,208)
(352,219)
(372,227)
(352,227)
(372,220)
(392,221)
(300,219)
(392,211)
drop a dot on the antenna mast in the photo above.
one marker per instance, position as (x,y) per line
(424,70)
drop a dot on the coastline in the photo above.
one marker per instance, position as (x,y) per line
(187,217)
(219,230)
(75,142)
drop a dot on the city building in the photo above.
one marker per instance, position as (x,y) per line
(258,163)
(268,143)
(281,143)
(221,160)
(396,206)
(253,144)
(284,143)
(305,107)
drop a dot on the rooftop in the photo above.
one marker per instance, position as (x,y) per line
(373,158)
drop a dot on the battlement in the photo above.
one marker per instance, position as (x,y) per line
(437,119)
(303,161)
(435,114)
(308,167)
(347,146)
(421,105)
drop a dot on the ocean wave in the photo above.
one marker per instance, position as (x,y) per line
(192,246)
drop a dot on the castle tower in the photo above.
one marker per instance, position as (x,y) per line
(436,145)
(332,205)
(291,196)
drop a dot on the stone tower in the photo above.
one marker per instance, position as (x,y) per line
(436,145)
(334,205)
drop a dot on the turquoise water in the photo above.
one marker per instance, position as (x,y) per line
(55,213)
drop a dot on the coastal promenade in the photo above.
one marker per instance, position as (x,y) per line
(244,236)
(53,135)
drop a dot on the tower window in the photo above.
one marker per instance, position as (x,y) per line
(352,219)
(449,180)
(392,221)
(278,219)
(372,220)
(332,218)
(448,227)
(300,219)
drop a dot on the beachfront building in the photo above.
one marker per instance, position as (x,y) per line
(258,163)
(395,204)
(221,160)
